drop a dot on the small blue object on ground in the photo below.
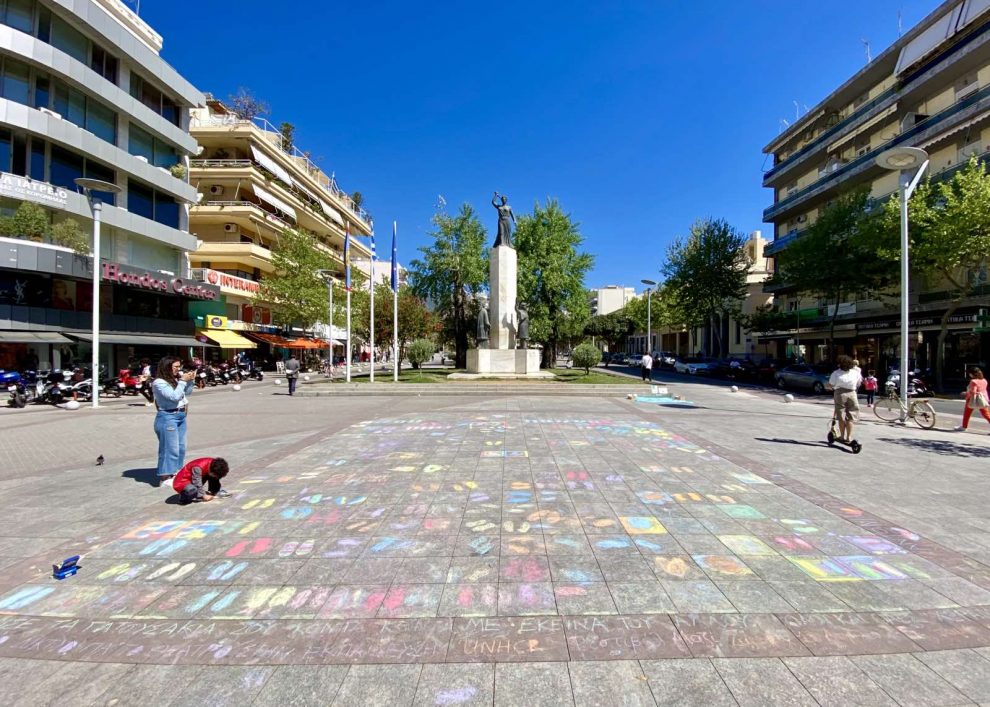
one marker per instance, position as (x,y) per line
(68,567)
(662,400)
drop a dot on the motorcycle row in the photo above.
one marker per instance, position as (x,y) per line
(61,385)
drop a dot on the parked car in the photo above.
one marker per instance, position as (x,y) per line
(766,370)
(664,359)
(694,365)
(803,376)
(735,369)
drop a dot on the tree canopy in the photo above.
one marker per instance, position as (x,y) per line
(551,277)
(451,271)
(295,290)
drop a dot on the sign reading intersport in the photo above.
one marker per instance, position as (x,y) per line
(133,277)
(233,282)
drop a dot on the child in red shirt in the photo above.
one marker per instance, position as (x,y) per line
(189,480)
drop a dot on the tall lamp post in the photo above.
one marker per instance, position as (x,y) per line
(328,276)
(649,315)
(90,188)
(905,160)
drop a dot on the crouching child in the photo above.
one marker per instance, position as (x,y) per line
(206,472)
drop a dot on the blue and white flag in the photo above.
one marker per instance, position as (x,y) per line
(347,258)
(394,281)
(371,283)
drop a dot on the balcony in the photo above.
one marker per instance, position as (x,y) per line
(248,255)
(963,110)
(778,244)
(301,162)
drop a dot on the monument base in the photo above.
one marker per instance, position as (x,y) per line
(508,363)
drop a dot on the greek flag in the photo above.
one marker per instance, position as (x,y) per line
(347,258)
(395,265)
(371,283)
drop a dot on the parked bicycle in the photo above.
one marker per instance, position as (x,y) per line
(890,408)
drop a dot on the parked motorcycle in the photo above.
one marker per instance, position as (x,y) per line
(21,386)
(249,371)
(130,383)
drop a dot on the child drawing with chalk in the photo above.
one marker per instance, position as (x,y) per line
(206,471)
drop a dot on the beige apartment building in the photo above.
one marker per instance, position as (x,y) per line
(254,187)
(930,89)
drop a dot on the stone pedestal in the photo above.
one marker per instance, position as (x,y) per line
(504,363)
(502,298)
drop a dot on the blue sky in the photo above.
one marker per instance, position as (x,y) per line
(639,117)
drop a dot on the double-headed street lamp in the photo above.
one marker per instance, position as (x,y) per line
(649,315)
(89,187)
(905,160)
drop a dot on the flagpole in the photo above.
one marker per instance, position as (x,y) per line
(371,284)
(347,283)
(395,313)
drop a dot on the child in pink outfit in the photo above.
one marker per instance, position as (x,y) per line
(977,386)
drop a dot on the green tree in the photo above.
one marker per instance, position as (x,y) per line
(415,320)
(452,270)
(288,131)
(585,356)
(612,328)
(29,221)
(420,351)
(950,238)
(295,291)
(706,274)
(837,255)
(551,277)
(67,234)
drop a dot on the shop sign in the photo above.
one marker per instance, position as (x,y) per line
(19,187)
(142,279)
(232,282)
(920,322)
(214,321)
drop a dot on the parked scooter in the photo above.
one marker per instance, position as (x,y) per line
(249,371)
(21,386)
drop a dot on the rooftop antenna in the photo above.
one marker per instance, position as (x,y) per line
(784,124)
(866,45)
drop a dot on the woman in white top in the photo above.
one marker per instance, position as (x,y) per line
(844,382)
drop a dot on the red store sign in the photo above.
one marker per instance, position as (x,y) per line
(142,279)
(231,281)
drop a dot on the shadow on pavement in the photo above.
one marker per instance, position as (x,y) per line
(778,440)
(936,446)
(143,476)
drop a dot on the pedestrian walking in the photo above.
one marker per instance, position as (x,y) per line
(976,397)
(292,373)
(870,385)
(646,365)
(170,387)
(844,382)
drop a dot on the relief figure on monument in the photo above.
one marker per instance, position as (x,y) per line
(501,204)
(522,324)
(484,328)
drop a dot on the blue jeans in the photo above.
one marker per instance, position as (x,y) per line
(171,430)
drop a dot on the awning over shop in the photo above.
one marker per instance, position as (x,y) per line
(270,339)
(309,344)
(146,340)
(271,165)
(32,337)
(273,200)
(227,339)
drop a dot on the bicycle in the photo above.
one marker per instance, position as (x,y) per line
(890,408)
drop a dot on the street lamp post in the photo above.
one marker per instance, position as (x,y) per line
(904,160)
(649,315)
(328,276)
(89,186)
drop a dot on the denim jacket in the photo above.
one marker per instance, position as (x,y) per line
(169,398)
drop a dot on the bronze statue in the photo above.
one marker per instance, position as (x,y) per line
(504,236)
(522,325)
(484,327)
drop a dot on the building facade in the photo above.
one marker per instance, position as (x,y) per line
(256,187)
(85,93)
(930,89)
(611,298)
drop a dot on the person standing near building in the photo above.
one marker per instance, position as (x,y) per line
(171,386)
(844,382)
(292,372)
(976,397)
(646,366)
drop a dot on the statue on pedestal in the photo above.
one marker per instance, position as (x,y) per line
(484,328)
(522,325)
(504,236)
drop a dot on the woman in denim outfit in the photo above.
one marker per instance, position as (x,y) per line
(171,387)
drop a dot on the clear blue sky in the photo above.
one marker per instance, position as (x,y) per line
(639,117)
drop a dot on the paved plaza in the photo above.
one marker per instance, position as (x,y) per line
(515,550)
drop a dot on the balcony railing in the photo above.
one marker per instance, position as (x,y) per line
(219,164)
(251,204)
(329,184)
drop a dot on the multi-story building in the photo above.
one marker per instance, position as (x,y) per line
(85,93)
(255,186)
(611,298)
(930,89)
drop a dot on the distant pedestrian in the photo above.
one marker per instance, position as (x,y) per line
(646,366)
(171,386)
(292,373)
(976,397)
(870,385)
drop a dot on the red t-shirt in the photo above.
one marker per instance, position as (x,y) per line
(184,477)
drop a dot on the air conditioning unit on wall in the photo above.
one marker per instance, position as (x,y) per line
(230,227)
(216,189)
(801,219)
